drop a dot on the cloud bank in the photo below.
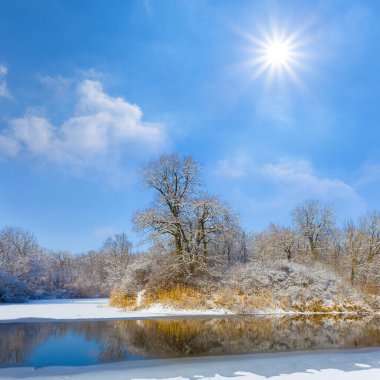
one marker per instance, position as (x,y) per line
(282,184)
(101,131)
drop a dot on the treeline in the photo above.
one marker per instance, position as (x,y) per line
(29,271)
(197,242)
(196,237)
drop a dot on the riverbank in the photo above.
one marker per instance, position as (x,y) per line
(87,309)
(251,288)
(99,309)
(357,364)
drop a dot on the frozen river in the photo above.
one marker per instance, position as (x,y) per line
(83,343)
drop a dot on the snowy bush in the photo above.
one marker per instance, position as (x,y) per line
(12,289)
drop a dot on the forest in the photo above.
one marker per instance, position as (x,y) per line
(200,256)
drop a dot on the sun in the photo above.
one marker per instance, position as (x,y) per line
(278,55)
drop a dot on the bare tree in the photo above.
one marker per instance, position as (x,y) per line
(284,240)
(361,244)
(16,242)
(231,240)
(208,219)
(117,250)
(191,219)
(18,251)
(243,251)
(315,221)
(174,180)
(353,243)
(370,225)
(60,269)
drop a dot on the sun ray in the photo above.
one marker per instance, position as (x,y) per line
(278,54)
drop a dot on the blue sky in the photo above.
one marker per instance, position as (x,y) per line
(90,90)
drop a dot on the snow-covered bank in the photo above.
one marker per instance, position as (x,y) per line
(85,309)
(322,365)
(99,309)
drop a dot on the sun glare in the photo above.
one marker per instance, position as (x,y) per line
(277,54)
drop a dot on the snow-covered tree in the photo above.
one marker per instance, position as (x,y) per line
(315,221)
(117,250)
(370,226)
(284,241)
(21,258)
(182,211)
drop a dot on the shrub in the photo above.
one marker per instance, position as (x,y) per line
(12,289)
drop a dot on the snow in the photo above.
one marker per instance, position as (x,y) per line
(140,297)
(98,309)
(86,309)
(162,309)
(320,365)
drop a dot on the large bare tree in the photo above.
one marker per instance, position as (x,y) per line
(181,210)
(175,180)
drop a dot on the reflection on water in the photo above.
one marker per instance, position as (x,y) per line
(81,343)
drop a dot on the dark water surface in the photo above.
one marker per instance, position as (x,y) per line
(84,343)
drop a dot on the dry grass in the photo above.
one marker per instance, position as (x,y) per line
(179,296)
(232,299)
(119,298)
(318,306)
(184,297)
(238,301)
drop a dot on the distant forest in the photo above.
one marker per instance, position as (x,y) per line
(198,248)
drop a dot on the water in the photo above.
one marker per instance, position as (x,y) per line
(85,343)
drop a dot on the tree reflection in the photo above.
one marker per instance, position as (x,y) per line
(165,338)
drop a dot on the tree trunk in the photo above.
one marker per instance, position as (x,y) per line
(204,242)
(353,270)
(178,244)
(289,254)
(314,249)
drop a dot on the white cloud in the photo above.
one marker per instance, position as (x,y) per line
(298,178)
(57,83)
(101,131)
(9,146)
(236,168)
(4,91)
(282,184)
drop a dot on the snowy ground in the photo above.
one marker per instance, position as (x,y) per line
(323,365)
(84,309)
(98,309)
